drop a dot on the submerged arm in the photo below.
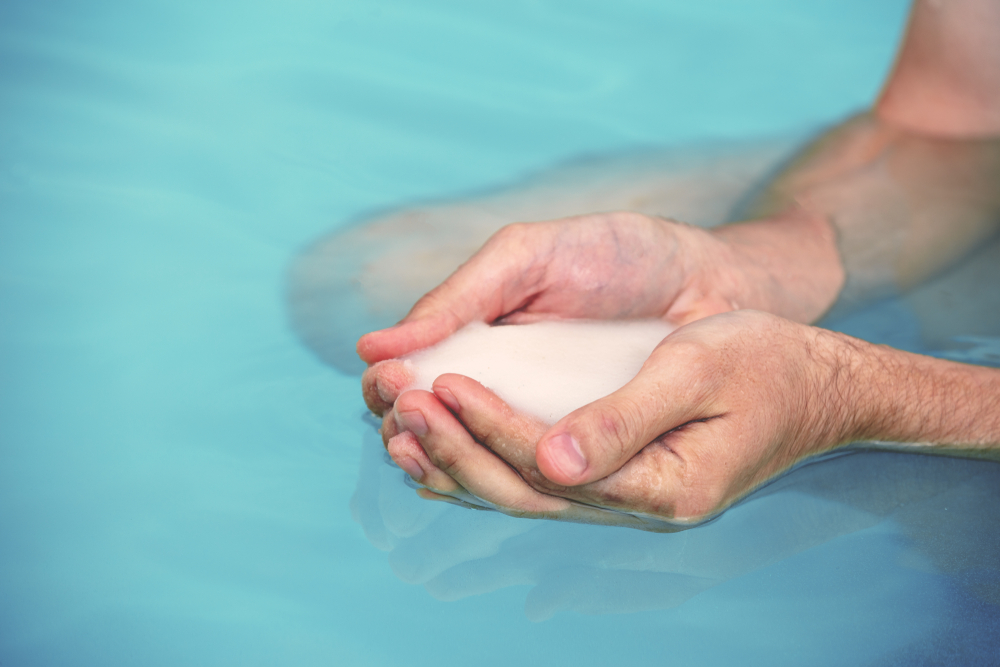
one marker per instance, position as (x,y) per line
(903,206)
(724,403)
(875,206)
(912,186)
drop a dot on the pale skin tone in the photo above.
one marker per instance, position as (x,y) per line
(745,388)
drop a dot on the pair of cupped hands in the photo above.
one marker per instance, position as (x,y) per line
(731,398)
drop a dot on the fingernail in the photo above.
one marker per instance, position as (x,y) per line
(382,391)
(413,422)
(566,455)
(411,467)
(447,398)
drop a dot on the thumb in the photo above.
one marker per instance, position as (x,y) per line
(494,282)
(430,321)
(598,439)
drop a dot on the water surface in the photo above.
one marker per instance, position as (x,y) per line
(177,469)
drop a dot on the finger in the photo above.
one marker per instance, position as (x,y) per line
(450,447)
(598,439)
(514,435)
(389,428)
(497,280)
(410,336)
(407,453)
(511,435)
(382,383)
(608,501)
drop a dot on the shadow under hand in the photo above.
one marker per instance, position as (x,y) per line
(937,515)
(944,510)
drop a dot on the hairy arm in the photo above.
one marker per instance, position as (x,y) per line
(875,206)
(721,406)
(930,404)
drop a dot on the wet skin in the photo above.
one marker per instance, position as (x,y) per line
(714,443)
(878,204)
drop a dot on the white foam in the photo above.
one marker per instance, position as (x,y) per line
(547,369)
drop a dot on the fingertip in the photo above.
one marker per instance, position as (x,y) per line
(369,391)
(410,335)
(403,444)
(413,399)
(367,347)
(384,382)
(361,348)
(449,386)
(561,459)
(445,396)
(407,452)
(412,421)
(410,467)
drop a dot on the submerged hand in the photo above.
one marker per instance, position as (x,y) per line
(618,266)
(722,405)
(601,266)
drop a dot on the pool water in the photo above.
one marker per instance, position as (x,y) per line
(183,480)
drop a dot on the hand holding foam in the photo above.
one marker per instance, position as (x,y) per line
(720,406)
(607,266)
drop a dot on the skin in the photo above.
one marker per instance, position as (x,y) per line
(679,476)
(876,205)
(626,265)
(746,394)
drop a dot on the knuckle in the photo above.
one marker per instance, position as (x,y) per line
(694,352)
(511,233)
(619,425)
(696,366)
(447,459)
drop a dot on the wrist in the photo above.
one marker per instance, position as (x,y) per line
(835,408)
(787,264)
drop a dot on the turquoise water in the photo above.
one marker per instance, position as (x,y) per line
(183,482)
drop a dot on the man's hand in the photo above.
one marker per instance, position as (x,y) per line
(602,266)
(617,266)
(721,406)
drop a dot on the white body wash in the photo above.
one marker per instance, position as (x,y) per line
(547,369)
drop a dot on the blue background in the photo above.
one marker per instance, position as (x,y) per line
(176,469)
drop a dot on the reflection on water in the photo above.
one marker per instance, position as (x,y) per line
(877,532)
(941,513)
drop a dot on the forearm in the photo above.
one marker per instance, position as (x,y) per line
(918,401)
(899,208)
(914,185)
(787,264)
